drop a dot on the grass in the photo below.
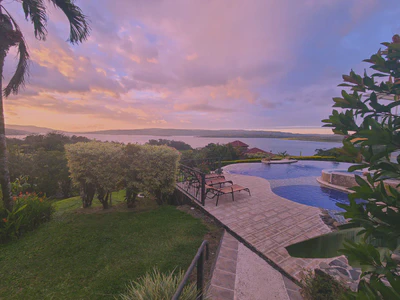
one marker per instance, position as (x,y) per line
(95,255)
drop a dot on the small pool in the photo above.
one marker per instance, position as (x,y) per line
(297,182)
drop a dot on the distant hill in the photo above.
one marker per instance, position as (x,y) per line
(16,132)
(24,130)
(221,133)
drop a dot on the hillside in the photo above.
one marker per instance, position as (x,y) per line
(221,133)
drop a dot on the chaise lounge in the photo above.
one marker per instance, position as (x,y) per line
(217,192)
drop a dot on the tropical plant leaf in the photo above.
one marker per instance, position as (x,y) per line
(21,72)
(79,26)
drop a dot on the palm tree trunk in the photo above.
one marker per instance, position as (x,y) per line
(4,173)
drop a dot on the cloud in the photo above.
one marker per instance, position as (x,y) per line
(195,63)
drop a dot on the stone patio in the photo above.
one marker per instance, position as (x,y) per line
(267,223)
(241,274)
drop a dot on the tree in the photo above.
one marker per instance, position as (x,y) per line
(178,145)
(96,167)
(150,169)
(11,36)
(369,120)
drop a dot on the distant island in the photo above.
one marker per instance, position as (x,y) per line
(25,130)
(221,134)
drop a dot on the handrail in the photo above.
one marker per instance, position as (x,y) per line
(199,261)
(196,181)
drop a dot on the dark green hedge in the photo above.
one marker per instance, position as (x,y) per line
(257,160)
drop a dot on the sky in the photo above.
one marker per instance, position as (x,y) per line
(201,64)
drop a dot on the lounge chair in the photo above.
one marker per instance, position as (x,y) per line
(217,180)
(225,190)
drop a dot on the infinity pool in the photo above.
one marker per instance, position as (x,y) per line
(297,181)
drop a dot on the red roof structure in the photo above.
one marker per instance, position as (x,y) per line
(238,144)
(256,150)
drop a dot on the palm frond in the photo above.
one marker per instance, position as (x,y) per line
(21,72)
(36,11)
(79,26)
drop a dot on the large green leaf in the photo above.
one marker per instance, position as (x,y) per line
(324,246)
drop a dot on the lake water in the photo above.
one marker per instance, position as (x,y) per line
(267,144)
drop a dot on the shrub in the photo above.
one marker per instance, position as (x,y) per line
(42,158)
(315,157)
(158,286)
(151,169)
(258,155)
(239,161)
(321,286)
(96,166)
(29,211)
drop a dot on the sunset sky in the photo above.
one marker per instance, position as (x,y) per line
(215,64)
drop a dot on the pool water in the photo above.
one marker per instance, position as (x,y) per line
(297,181)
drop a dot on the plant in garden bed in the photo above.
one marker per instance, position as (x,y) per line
(28,212)
(321,286)
(159,286)
(371,240)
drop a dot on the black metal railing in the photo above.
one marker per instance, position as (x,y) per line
(205,165)
(198,261)
(192,180)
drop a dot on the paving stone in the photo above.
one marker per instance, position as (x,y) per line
(231,244)
(338,263)
(324,265)
(218,293)
(228,253)
(355,275)
(294,295)
(223,279)
(226,264)
(343,271)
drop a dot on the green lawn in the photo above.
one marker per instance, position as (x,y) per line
(94,256)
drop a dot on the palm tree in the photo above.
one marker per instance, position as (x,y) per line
(11,36)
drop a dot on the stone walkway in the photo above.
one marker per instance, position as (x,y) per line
(240,274)
(267,223)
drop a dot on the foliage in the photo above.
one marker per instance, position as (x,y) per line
(348,153)
(21,185)
(159,286)
(374,128)
(209,157)
(42,159)
(150,169)
(178,145)
(283,154)
(29,211)
(223,152)
(96,166)
(11,223)
(257,160)
(240,161)
(315,157)
(321,286)
(11,36)
(258,155)
(95,255)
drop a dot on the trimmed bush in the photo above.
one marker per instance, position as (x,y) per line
(158,286)
(256,160)
(96,167)
(150,169)
(315,157)
(239,161)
